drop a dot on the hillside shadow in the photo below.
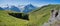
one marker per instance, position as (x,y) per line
(20,15)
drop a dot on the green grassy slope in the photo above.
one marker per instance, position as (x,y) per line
(36,17)
(7,20)
(41,15)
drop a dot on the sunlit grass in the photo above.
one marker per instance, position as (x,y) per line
(36,18)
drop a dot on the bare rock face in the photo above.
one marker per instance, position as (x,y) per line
(56,24)
(54,20)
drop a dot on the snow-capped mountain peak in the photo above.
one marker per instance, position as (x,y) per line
(20,8)
(29,8)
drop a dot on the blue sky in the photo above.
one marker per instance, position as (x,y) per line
(25,2)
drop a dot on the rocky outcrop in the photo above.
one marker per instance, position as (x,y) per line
(54,20)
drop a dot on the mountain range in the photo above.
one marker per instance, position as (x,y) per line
(29,8)
(36,18)
(26,9)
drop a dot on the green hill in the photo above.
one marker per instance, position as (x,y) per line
(41,15)
(7,20)
(36,17)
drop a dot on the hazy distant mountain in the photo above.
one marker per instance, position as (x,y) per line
(20,8)
(1,8)
(6,8)
(14,8)
(29,8)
